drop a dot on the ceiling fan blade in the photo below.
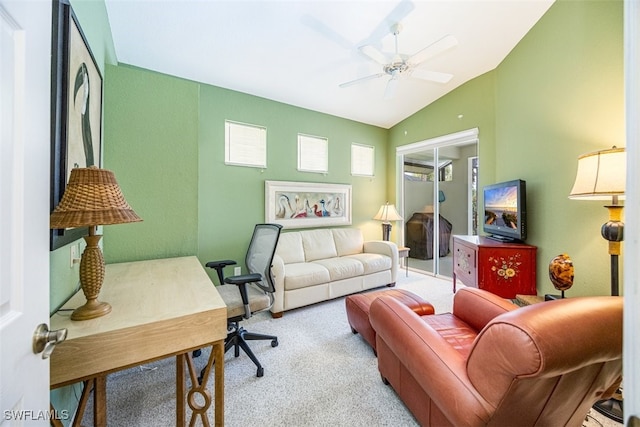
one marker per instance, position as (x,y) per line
(374,54)
(362,80)
(433,76)
(390,90)
(397,14)
(326,31)
(435,48)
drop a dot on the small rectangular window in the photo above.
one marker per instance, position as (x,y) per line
(245,145)
(362,160)
(313,154)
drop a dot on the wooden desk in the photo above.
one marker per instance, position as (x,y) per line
(161,308)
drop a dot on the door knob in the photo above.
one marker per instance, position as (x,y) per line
(44,340)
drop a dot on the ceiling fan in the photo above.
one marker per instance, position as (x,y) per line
(402,65)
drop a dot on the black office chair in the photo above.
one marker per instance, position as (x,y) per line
(249,293)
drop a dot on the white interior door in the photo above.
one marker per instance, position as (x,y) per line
(25,67)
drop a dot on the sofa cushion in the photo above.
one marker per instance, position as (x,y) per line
(349,241)
(290,248)
(304,274)
(318,244)
(454,331)
(373,263)
(341,267)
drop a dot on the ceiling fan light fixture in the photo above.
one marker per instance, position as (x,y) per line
(402,64)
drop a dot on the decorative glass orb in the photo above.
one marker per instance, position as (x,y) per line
(561,272)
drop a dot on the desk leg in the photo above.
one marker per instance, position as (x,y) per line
(198,397)
(180,396)
(100,401)
(218,349)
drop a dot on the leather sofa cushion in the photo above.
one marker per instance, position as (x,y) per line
(372,263)
(454,331)
(318,244)
(348,241)
(304,274)
(290,248)
(341,267)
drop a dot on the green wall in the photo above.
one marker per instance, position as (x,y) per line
(560,94)
(474,101)
(557,95)
(232,197)
(151,144)
(164,139)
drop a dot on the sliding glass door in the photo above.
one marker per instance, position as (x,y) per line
(436,185)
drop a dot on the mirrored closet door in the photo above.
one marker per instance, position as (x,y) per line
(437,196)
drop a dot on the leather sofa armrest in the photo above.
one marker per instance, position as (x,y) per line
(478,307)
(438,368)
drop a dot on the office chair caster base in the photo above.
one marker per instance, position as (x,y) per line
(260,372)
(196,353)
(274,343)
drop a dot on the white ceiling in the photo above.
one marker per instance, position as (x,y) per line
(298,52)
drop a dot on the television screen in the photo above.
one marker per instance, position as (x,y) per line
(504,210)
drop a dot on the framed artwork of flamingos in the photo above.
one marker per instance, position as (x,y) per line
(307,204)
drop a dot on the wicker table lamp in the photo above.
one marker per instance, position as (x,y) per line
(92,198)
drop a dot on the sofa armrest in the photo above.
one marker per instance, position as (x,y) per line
(384,247)
(437,367)
(277,269)
(478,307)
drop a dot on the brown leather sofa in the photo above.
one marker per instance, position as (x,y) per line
(493,363)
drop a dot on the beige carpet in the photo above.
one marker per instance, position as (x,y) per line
(320,375)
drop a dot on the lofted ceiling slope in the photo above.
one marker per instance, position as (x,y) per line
(299,52)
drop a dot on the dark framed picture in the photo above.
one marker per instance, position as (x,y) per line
(76,109)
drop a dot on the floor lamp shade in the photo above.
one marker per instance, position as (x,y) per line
(386,214)
(601,175)
(92,198)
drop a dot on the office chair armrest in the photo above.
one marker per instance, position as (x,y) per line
(221,264)
(244,278)
(241,282)
(218,266)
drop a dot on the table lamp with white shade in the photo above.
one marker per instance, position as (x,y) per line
(386,214)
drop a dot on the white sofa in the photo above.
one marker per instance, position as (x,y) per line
(317,265)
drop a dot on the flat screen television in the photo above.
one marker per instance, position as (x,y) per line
(505,211)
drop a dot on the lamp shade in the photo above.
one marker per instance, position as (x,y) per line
(601,175)
(92,197)
(387,213)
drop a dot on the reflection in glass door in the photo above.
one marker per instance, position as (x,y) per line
(438,200)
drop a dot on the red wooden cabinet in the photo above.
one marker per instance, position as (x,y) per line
(505,269)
